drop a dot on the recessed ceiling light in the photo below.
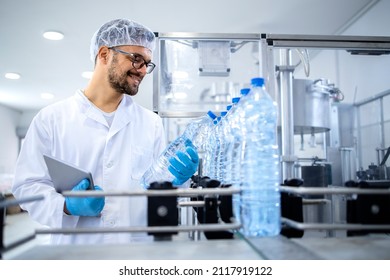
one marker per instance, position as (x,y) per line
(53,35)
(12,76)
(87,74)
(47,95)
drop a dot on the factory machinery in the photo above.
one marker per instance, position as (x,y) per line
(333,207)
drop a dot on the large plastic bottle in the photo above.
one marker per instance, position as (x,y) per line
(224,158)
(219,149)
(226,153)
(214,147)
(233,148)
(234,142)
(260,195)
(208,162)
(202,128)
(195,134)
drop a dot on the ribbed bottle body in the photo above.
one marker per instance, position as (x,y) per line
(194,135)
(259,172)
(158,171)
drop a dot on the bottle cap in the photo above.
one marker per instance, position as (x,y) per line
(211,115)
(223,113)
(228,107)
(257,82)
(236,99)
(244,91)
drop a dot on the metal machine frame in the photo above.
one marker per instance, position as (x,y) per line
(354,45)
(188,36)
(282,93)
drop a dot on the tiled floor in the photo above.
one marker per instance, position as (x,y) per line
(17,227)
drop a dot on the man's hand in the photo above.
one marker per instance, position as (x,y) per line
(84,206)
(185,167)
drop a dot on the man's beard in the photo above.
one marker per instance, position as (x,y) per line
(119,81)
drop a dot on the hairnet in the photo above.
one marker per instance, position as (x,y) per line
(120,32)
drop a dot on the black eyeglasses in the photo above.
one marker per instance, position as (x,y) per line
(137,60)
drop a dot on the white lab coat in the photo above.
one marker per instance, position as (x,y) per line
(75,131)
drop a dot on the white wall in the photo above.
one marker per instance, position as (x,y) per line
(9,142)
(24,121)
(373,23)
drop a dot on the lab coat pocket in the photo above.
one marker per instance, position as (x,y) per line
(141,159)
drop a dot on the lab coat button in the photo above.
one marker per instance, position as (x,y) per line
(109,165)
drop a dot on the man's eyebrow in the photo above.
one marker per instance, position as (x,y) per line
(140,55)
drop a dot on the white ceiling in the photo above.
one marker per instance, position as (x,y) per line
(56,66)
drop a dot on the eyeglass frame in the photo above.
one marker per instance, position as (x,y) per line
(133,57)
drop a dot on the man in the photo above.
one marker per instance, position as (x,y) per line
(102,130)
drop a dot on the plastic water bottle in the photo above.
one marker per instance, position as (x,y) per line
(201,141)
(234,148)
(235,142)
(260,195)
(208,162)
(215,144)
(195,134)
(201,128)
(226,155)
(219,159)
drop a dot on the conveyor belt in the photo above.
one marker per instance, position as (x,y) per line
(274,248)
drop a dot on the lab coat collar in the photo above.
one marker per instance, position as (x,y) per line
(122,114)
(88,109)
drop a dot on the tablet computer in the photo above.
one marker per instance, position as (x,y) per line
(65,175)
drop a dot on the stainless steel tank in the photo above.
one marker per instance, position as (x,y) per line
(311,106)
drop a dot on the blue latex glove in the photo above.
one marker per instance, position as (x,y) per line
(84,206)
(186,167)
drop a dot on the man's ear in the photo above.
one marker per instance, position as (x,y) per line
(102,55)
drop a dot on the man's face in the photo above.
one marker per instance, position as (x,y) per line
(122,75)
